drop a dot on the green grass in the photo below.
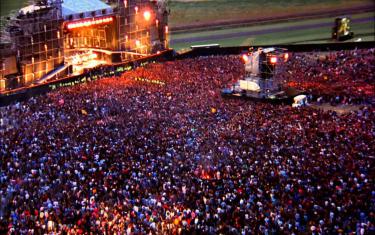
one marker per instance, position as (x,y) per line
(365,31)
(6,6)
(179,35)
(190,12)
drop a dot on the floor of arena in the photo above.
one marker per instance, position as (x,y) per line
(128,154)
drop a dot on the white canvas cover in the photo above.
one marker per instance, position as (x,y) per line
(249,85)
(70,7)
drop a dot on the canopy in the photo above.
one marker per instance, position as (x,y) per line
(70,7)
(299,98)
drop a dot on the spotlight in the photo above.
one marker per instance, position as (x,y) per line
(273,60)
(245,58)
(147,15)
(286,56)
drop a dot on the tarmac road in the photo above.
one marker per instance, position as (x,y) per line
(262,31)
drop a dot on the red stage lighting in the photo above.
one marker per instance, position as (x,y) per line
(147,15)
(273,60)
(90,22)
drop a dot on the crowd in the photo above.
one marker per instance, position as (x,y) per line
(159,151)
(336,77)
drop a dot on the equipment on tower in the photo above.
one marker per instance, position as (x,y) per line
(341,30)
(260,81)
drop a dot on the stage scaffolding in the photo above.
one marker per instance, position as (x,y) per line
(40,41)
(36,39)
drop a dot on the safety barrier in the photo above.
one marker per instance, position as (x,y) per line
(203,51)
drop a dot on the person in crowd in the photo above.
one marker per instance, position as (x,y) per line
(157,150)
(339,77)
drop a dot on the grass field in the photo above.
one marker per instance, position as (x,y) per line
(203,11)
(365,31)
(7,6)
(200,11)
(187,12)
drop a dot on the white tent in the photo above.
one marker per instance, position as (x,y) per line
(249,85)
(74,7)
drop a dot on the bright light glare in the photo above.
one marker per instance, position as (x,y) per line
(93,56)
(245,58)
(273,60)
(147,15)
(91,22)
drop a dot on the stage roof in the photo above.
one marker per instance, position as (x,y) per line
(70,7)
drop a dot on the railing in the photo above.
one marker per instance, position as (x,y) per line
(202,51)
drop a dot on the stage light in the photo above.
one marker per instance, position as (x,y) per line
(88,23)
(137,43)
(147,15)
(273,60)
(286,56)
(245,58)
(93,56)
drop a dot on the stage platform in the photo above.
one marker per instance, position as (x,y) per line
(284,96)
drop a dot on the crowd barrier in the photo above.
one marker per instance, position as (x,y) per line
(204,51)
(105,71)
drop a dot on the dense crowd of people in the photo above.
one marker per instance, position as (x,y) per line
(336,77)
(159,151)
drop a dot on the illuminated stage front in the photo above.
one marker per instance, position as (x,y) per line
(89,22)
(91,33)
(58,34)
